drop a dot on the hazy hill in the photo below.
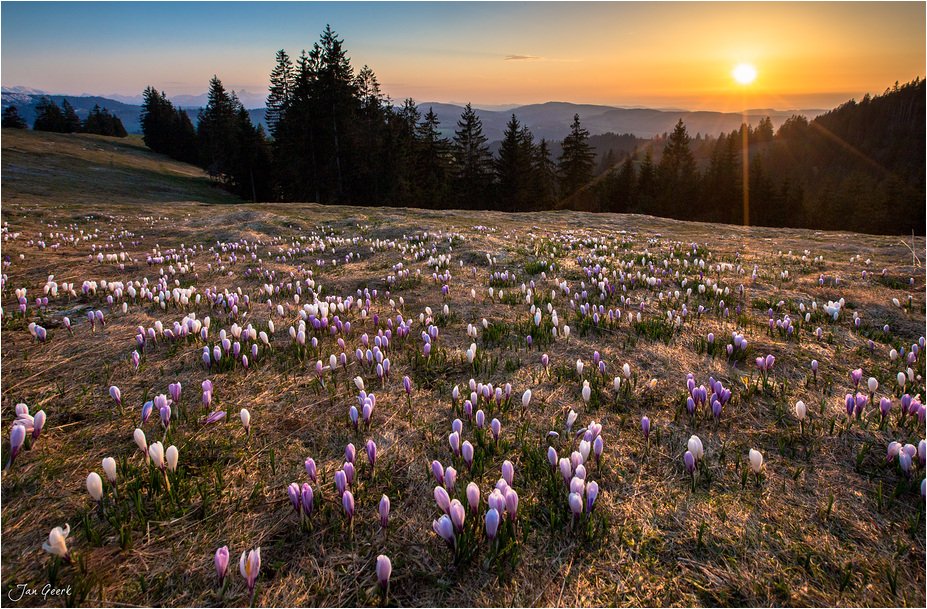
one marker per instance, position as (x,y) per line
(549,120)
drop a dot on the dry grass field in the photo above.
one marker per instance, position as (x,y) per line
(158,250)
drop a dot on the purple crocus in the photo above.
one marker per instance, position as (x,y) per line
(689,460)
(384,511)
(371,453)
(311,469)
(492,524)
(294,492)
(438,470)
(116,395)
(307,499)
(645,426)
(222,563)
(250,567)
(347,502)
(17,437)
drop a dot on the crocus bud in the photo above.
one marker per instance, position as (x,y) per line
(350,453)
(458,514)
(445,529)
(442,499)
(496,427)
(347,502)
(246,420)
(511,504)
(592,492)
(438,470)
(873,384)
(384,570)
(508,471)
(645,426)
(576,504)
(473,497)
(371,453)
(756,461)
(598,446)
(109,468)
(552,456)
(293,492)
(695,447)
(384,511)
(454,440)
(95,486)
(116,395)
(222,563)
(17,437)
(893,449)
(492,524)
(311,469)
(156,451)
(800,410)
(525,399)
(450,479)
(139,436)
(689,460)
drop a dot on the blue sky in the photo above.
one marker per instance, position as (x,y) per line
(638,53)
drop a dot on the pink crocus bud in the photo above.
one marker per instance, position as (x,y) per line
(511,504)
(294,492)
(384,511)
(371,453)
(496,427)
(458,515)
(442,499)
(467,452)
(508,471)
(454,440)
(450,479)
(341,482)
(592,492)
(17,437)
(38,423)
(116,395)
(350,453)
(349,473)
(492,524)
(473,497)
(310,469)
(307,499)
(444,527)
(174,390)
(384,570)
(222,563)
(438,470)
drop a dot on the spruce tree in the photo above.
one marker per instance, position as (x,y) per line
(517,183)
(12,119)
(677,175)
(546,175)
(71,120)
(49,117)
(282,89)
(432,163)
(472,161)
(576,159)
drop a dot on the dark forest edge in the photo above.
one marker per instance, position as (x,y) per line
(335,138)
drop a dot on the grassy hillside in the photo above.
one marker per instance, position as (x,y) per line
(828,521)
(86,170)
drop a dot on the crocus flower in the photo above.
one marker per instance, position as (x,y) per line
(885,405)
(645,426)
(492,524)
(294,493)
(454,440)
(508,471)
(246,420)
(856,376)
(348,469)
(592,492)
(350,453)
(893,449)
(496,427)
(139,436)
(445,530)
(511,504)
(756,461)
(384,511)
(310,469)
(38,423)
(116,395)
(458,514)
(695,447)
(598,446)
(525,399)
(371,453)
(214,417)
(222,563)
(17,437)
(571,418)
(904,460)
(873,384)
(307,499)
(347,502)
(576,505)
(109,468)
(587,392)
(473,497)
(384,570)
(95,486)
(250,567)
(442,499)
(467,452)
(689,460)
(800,410)
(156,451)
(552,456)
(438,470)
(174,390)
(57,542)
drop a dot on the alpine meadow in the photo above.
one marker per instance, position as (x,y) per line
(347,352)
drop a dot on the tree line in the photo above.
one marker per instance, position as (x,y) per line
(859,167)
(336,138)
(64,119)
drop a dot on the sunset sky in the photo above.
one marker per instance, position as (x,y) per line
(657,54)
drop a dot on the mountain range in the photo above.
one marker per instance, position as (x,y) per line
(550,120)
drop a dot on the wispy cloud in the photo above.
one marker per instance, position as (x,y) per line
(532,58)
(524,58)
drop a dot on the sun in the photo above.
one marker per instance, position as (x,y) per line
(744,73)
